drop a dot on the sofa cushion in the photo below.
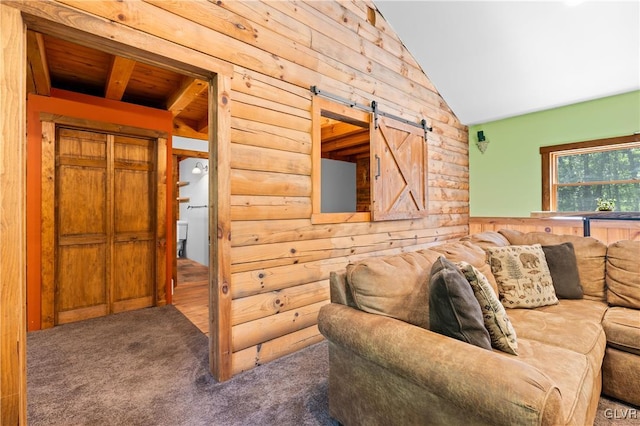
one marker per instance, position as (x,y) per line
(523,276)
(561,259)
(622,327)
(470,253)
(571,373)
(395,286)
(453,309)
(575,325)
(590,255)
(623,274)
(496,321)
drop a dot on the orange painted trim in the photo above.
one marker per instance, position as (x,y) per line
(86,107)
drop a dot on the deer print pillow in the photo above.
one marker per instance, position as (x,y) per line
(523,276)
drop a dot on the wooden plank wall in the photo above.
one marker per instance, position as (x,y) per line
(279,261)
(607,231)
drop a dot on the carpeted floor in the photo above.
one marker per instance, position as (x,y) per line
(150,367)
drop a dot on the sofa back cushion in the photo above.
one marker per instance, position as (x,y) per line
(590,256)
(339,289)
(470,253)
(623,274)
(394,286)
(487,239)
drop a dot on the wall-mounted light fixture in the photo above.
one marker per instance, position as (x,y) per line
(482,142)
(199,168)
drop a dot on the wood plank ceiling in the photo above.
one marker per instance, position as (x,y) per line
(56,63)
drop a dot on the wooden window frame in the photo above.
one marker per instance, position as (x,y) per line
(322,106)
(549,155)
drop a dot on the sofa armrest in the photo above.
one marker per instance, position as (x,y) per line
(497,387)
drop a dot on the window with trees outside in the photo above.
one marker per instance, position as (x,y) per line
(575,176)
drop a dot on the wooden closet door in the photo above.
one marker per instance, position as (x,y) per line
(82,224)
(105,259)
(134,225)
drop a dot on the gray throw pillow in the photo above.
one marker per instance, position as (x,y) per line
(454,311)
(563,267)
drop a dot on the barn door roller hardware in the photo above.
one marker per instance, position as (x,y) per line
(422,124)
(373,108)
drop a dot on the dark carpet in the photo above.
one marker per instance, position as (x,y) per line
(150,367)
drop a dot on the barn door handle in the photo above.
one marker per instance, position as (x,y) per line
(377,167)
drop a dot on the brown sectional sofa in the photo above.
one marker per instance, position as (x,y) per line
(386,367)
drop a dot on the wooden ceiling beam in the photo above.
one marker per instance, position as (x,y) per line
(361,138)
(118,78)
(339,129)
(184,129)
(203,125)
(37,63)
(358,150)
(188,91)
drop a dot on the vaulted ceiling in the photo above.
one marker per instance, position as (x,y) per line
(55,63)
(496,59)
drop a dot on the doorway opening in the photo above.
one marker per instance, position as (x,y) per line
(59,69)
(191,207)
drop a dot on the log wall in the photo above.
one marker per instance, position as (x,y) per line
(607,231)
(278,262)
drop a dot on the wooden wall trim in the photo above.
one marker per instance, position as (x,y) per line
(607,231)
(44,297)
(164,263)
(590,144)
(13,335)
(220,349)
(546,182)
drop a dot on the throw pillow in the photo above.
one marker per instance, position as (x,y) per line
(453,309)
(523,276)
(563,266)
(503,335)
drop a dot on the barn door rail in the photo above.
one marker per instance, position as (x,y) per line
(372,108)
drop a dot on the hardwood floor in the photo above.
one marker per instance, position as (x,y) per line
(191,295)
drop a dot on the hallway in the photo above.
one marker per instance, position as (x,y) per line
(191,295)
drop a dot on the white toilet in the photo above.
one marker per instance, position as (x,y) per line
(181,236)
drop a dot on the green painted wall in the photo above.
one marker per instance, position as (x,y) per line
(506,179)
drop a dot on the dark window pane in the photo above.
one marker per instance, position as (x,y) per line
(622,164)
(583,197)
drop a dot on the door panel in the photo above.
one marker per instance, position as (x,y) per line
(134,271)
(132,201)
(81,201)
(399,165)
(81,285)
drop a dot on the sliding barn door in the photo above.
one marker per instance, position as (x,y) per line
(399,167)
(105,226)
